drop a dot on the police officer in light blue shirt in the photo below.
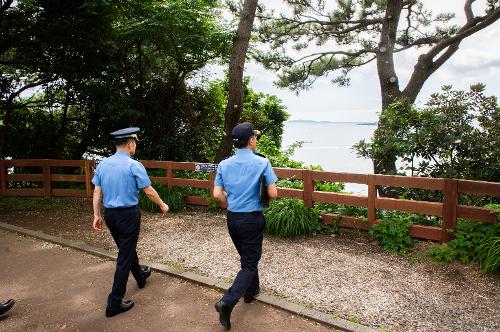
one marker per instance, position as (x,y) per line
(237,183)
(118,180)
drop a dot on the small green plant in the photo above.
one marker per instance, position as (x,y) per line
(353,319)
(173,197)
(291,217)
(213,204)
(442,254)
(394,234)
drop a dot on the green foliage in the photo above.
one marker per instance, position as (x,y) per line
(473,241)
(469,236)
(488,254)
(290,217)
(394,234)
(344,210)
(456,135)
(173,197)
(213,204)
(442,254)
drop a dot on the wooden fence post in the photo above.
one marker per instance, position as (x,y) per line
(46,179)
(88,177)
(450,203)
(3,179)
(308,187)
(212,180)
(372,196)
(170,174)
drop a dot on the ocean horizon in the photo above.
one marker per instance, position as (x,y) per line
(329,145)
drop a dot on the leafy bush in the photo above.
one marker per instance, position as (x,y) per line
(442,253)
(469,236)
(344,210)
(173,197)
(291,217)
(394,234)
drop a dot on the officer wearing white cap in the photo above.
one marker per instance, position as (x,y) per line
(117,181)
(238,183)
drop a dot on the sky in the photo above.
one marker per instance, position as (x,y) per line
(477,61)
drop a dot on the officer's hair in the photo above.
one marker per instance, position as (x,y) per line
(240,144)
(122,141)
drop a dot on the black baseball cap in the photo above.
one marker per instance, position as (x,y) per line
(242,132)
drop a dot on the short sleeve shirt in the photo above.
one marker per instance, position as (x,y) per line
(120,178)
(241,176)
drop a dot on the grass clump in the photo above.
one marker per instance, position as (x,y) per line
(291,217)
(173,197)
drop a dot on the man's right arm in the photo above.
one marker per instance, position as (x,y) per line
(96,203)
(155,198)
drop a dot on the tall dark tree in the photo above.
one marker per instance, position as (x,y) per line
(234,106)
(357,32)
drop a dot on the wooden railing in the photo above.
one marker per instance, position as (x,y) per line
(449,209)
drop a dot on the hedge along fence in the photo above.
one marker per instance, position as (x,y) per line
(448,209)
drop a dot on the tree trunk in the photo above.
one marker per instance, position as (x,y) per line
(388,79)
(234,106)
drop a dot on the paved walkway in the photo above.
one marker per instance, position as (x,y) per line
(58,288)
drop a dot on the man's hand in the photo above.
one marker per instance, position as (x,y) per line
(164,208)
(97,223)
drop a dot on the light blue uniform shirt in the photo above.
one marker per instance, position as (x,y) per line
(240,175)
(120,178)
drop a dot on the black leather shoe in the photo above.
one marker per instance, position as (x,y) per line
(224,311)
(6,306)
(122,307)
(147,273)
(250,299)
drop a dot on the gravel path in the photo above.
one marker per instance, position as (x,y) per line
(347,275)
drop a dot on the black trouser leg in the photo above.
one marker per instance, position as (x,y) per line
(246,231)
(124,225)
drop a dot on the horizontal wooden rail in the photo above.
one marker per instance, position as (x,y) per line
(178,182)
(340,177)
(409,182)
(476,213)
(25,192)
(24,177)
(288,173)
(435,209)
(449,209)
(290,193)
(336,198)
(67,178)
(479,187)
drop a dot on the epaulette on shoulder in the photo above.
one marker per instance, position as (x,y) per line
(260,155)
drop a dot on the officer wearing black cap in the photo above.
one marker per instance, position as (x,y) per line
(238,183)
(117,181)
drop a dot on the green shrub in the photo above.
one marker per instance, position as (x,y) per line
(442,254)
(468,236)
(291,217)
(394,234)
(213,204)
(488,254)
(173,197)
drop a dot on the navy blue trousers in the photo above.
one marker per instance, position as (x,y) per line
(124,225)
(247,232)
